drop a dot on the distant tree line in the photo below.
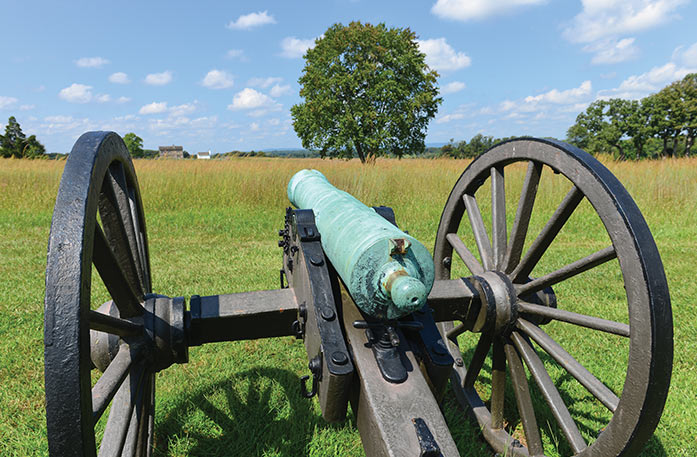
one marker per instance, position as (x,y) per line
(14,143)
(663,124)
(479,144)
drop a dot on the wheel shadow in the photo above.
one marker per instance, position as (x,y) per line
(545,418)
(266,417)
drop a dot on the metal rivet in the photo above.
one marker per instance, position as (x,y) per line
(459,362)
(339,358)
(438,348)
(447,261)
(327,314)
(316,260)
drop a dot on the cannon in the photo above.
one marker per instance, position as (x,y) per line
(389,330)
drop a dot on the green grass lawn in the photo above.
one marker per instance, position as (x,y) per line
(213,229)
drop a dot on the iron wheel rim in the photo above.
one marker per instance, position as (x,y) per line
(97,169)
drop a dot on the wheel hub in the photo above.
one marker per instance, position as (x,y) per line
(163,322)
(497,313)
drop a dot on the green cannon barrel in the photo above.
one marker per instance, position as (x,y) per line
(388,273)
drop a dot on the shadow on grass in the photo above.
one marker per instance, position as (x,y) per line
(262,413)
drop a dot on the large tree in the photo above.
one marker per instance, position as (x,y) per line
(134,144)
(368,92)
(14,142)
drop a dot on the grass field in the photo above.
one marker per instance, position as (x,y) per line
(212,229)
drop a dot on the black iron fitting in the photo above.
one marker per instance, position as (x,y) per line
(315,366)
(323,299)
(384,340)
(427,443)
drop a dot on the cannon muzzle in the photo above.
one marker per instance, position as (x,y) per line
(388,273)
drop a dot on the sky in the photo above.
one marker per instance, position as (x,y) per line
(222,76)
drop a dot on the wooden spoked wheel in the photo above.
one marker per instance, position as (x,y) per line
(98,221)
(535,353)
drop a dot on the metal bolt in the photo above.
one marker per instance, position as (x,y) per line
(316,260)
(459,362)
(447,261)
(327,314)
(315,365)
(339,358)
(438,348)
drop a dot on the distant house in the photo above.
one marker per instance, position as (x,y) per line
(204,155)
(171,152)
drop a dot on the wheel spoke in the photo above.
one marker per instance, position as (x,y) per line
(498,215)
(115,212)
(592,322)
(547,235)
(114,325)
(479,231)
(524,401)
(140,237)
(110,382)
(126,209)
(522,217)
(116,282)
(550,392)
(137,438)
(119,422)
(475,366)
(498,384)
(467,257)
(566,272)
(145,437)
(571,365)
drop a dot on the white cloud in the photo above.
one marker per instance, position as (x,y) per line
(26,107)
(123,99)
(563,97)
(217,79)
(553,105)
(264,82)
(251,20)
(58,119)
(638,86)
(465,10)
(6,102)
(235,53)
(441,56)
(153,108)
(256,102)
(254,126)
(76,93)
(687,57)
(452,87)
(278,90)
(609,51)
(62,124)
(449,117)
(293,48)
(182,110)
(607,18)
(159,79)
(91,62)
(119,78)
(103,98)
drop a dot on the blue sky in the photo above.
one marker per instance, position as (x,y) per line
(223,75)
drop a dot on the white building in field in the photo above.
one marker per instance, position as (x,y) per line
(204,155)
